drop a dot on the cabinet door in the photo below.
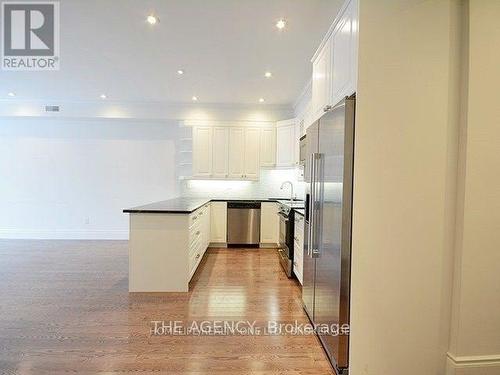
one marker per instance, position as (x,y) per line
(269,223)
(296,142)
(218,222)
(268,147)
(202,151)
(344,55)
(285,145)
(298,257)
(236,152)
(321,83)
(220,141)
(206,227)
(252,153)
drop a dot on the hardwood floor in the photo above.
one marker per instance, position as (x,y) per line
(65,307)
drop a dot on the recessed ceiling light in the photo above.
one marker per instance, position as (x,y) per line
(261,100)
(152,19)
(180,72)
(268,75)
(194,98)
(103,96)
(281,24)
(11,94)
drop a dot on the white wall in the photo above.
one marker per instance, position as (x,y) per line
(72,178)
(404,186)
(109,109)
(475,333)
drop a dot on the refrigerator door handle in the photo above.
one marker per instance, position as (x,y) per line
(316,206)
(311,206)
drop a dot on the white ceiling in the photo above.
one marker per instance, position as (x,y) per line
(224,46)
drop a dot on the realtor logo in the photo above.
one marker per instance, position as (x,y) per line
(30,35)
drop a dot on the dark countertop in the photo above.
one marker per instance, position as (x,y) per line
(297,203)
(171,206)
(300,211)
(184,205)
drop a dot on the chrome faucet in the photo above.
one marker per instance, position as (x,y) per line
(291,187)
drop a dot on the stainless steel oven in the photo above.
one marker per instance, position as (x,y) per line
(285,250)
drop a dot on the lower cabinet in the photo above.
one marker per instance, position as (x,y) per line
(269,223)
(199,236)
(298,250)
(218,222)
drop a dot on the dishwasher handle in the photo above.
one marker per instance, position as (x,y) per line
(243,205)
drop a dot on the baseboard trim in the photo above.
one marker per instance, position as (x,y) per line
(269,245)
(472,365)
(63,234)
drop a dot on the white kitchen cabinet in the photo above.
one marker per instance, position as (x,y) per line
(269,223)
(199,235)
(335,63)
(268,147)
(232,152)
(321,80)
(252,154)
(218,222)
(205,226)
(220,152)
(344,54)
(296,143)
(166,249)
(202,151)
(236,152)
(298,252)
(286,143)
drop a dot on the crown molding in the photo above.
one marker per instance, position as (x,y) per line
(331,29)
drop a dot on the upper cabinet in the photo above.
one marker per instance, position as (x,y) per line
(252,154)
(202,151)
(236,153)
(335,63)
(286,143)
(220,152)
(231,152)
(321,80)
(344,51)
(268,147)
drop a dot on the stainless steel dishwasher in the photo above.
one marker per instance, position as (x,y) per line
(243,223)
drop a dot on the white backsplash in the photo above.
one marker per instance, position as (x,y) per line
(267,187)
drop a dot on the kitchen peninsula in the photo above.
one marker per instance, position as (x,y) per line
(169,238)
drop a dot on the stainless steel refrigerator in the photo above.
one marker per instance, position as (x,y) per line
(327,245)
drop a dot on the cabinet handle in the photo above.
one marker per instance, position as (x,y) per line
(198,233)
(197,256)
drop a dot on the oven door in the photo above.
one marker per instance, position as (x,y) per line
(283,251)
